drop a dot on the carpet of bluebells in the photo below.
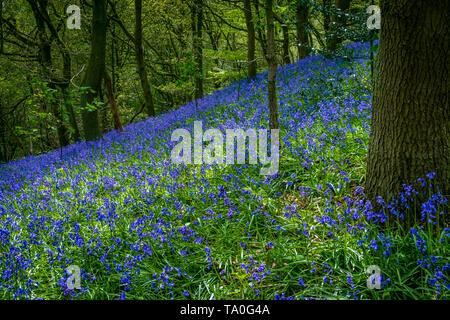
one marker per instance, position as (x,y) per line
(140,227)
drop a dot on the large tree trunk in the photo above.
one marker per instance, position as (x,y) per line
(251,44)
(410,134)
(339,23)
(272,61)
(302,14)
(148,97)
(95,69)
(197,30)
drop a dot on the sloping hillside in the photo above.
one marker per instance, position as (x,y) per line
(140,227)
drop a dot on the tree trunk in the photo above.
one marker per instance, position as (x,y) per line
(286,58)
(1,29)
(339,23)
(262,39)
(302,14)
(326,16)
(197,32)
(148,97)
(95,69)
(272,62)
(112,101)
(65,88)
(39,9)
(251,44)
(410,134)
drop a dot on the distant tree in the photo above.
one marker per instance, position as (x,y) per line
(286,43)
(272,62)
(148,97)
(197,36)
(251,42)
(95,70)
(260,28)
(112,101)
(43,22)
(410,135)
(326,15)
(302,14)
(339,22)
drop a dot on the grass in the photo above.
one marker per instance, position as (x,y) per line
(140,227)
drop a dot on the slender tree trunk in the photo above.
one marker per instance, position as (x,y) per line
(302,14)
(262,38)
(65,88)
(148,97)
(197,30)
(1,29)
(112,101)
(251,42)
(272,61)
(340,23)
(3,144)
(39,9)
(410,134)
(286,58)
(326,16)
(95,70)
(214,40)
(71,112)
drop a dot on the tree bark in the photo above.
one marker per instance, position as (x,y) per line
(272,62)
(251,40)
(302,14)
(112,101)
(410,134)
(95,69)
(148,97)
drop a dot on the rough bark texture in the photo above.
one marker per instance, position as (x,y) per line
(148,97)
(340,22)
(302,14)
(411,116)
(95,69)
(251,44)
(272,61)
